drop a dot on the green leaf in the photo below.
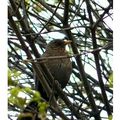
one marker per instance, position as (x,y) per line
(38,7)
(14,91)
(110,117)
(18,101)
(36,96)
(11,82)
(42,110)
(111,80)
(42,106)
(72,2)
(16,73)
(27,90)
(21,102)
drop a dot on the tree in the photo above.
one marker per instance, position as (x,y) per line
(87,23)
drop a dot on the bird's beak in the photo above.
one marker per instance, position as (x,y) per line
(66,42)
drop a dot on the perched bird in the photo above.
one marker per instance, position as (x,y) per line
(60,69)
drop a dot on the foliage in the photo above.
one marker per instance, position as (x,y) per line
(88,24)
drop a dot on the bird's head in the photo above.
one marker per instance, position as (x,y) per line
(57,44)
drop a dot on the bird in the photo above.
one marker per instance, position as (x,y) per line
(60,69)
